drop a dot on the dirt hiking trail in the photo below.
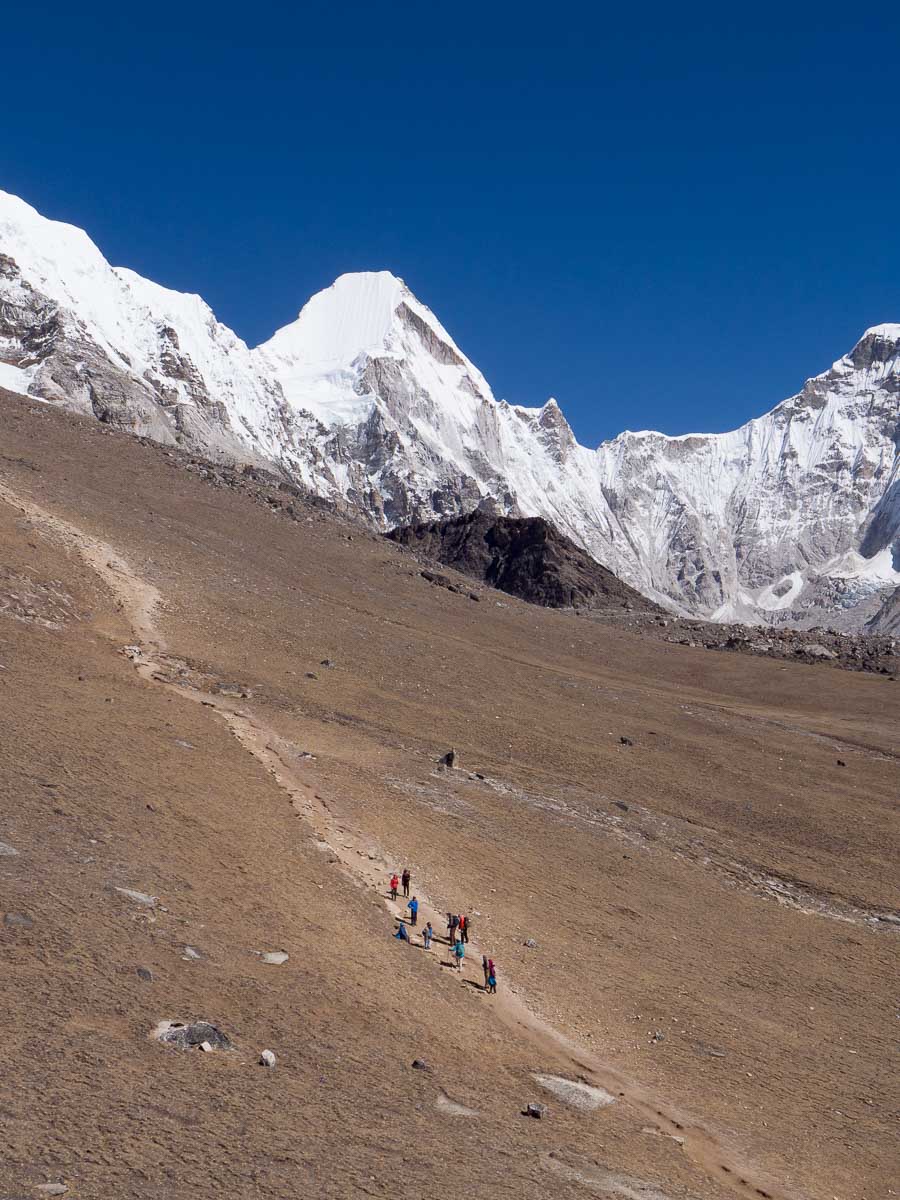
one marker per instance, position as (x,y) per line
(369,866)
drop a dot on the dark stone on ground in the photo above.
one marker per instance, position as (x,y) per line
(419,1064)
(538,1111)
(186,1037)
(145,973)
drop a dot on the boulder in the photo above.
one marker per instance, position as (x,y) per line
(196,1033)
(818,651)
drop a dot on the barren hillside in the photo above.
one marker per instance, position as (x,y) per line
(683,863)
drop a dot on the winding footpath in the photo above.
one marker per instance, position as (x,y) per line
(139,601)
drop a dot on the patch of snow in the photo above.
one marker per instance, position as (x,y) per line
(879,568)
(781,594)
(15,379)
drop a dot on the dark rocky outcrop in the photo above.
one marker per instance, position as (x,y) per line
(887,619)
(524,556)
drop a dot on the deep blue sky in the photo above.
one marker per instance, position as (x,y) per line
(667,216)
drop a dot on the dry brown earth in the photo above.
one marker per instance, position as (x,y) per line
(720,880)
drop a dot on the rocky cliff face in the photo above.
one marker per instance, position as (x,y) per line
(366,399)
(887,619)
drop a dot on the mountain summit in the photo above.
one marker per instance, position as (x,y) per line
(366,398)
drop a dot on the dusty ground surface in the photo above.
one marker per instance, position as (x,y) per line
(708,903)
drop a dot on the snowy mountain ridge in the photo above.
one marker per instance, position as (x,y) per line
(367,399)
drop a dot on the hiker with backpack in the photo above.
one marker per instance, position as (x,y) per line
(405,879)
(459,953)
(413,907)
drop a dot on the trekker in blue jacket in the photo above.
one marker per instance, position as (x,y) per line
(413,907)
(459,952)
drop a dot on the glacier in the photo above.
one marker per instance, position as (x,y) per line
(366,399)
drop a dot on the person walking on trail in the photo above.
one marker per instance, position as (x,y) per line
(450,928)
(401,935)
(486,969)
(492,984)
(395,884)
(427,936)
(406,878)
(454,925)
(413,907)
(459,953)
(463,928)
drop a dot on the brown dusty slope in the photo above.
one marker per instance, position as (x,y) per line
(718,882)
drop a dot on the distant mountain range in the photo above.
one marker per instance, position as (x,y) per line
(367,400)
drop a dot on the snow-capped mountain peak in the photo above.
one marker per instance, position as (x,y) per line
(356,315)
(367,398)
(363,318)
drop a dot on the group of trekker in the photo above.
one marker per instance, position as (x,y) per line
(457,931)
